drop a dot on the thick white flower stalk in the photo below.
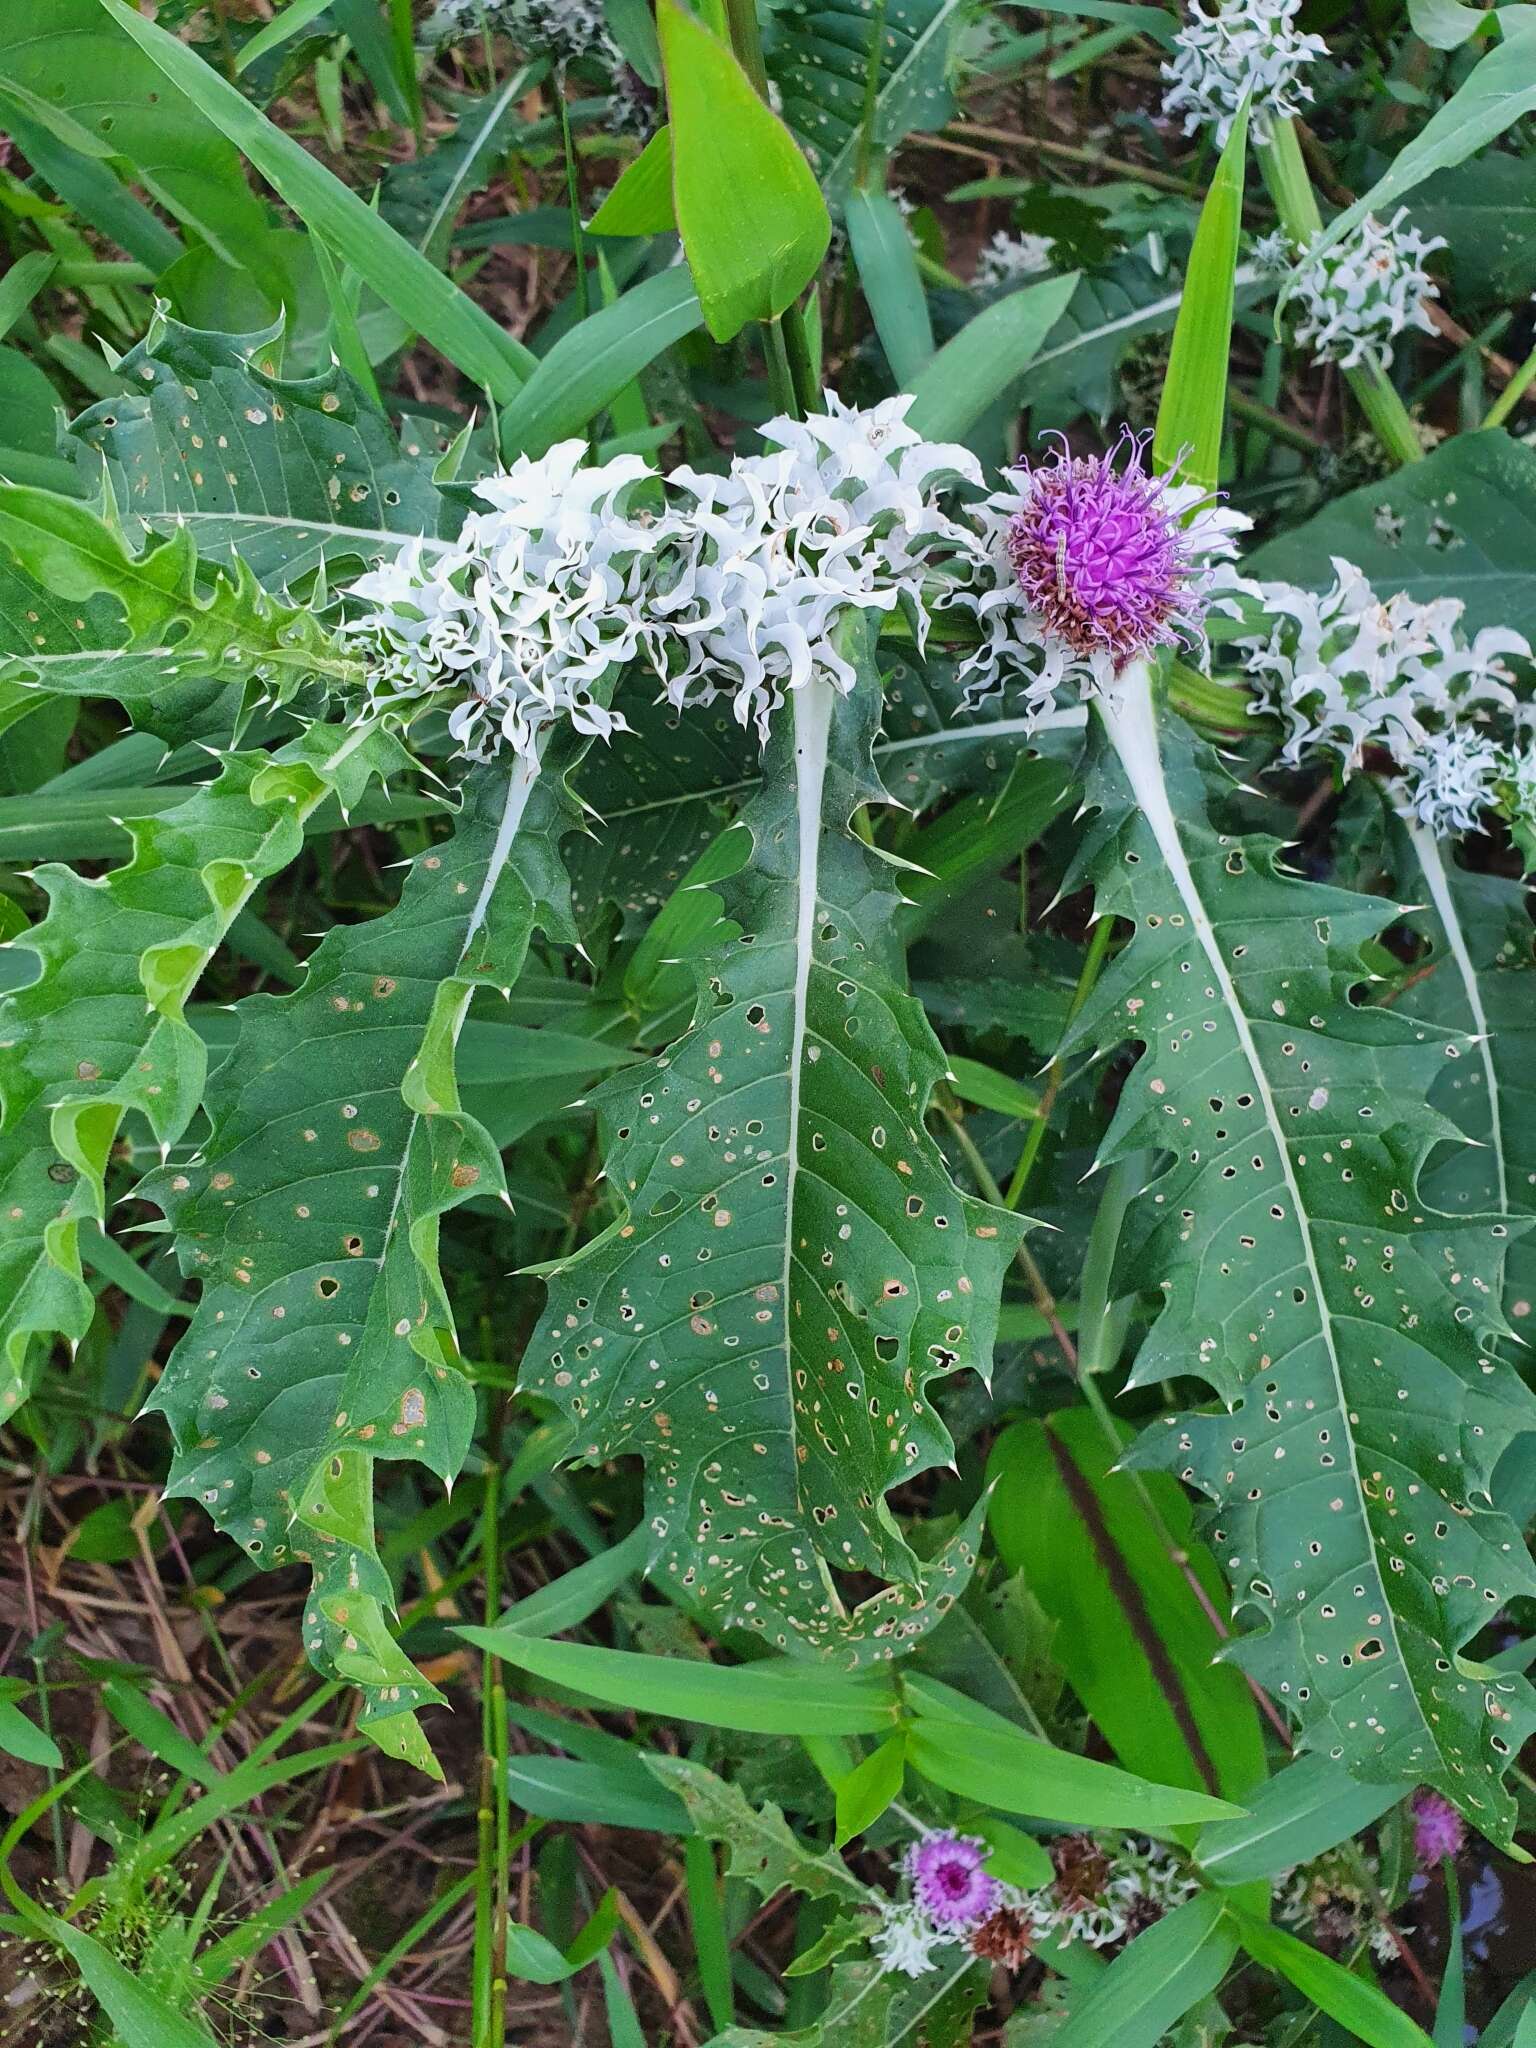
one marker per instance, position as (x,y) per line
(1250,49)
(1356,298)
(1347,672)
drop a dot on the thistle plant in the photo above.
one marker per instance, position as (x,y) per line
(1242,52)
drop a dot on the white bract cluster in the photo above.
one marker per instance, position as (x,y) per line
(1250,49)
(528,616)
(1143,1882)
(1009,259)
(1346,670)
(561,29)
(720,585)
(1357,297)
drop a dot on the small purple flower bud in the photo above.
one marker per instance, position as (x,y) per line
(1438,1829)
(948,1881)
(1109,557)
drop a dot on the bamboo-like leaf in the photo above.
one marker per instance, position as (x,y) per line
(102,1031)
(1193,409)
(1151,1984)
(1307,1281)
(323,1338)
(794,1264)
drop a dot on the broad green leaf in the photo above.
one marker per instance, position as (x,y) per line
(1461,523)
(22,283)
(769,1698)
(1132,1637)
(280,473)
(102,1032)
(820,56)
(974,1082)
(1447,24)
(1154,1981)
(140,2017)
(592,362)
(893,290)
(432,304)
(1304,1810)
(857,2014)
(1192,411)
(747,205)
(869,1788)
(972,1751)
(795,1262)
(1358,2006)
(95,192)
(1499,91)
(323,1337)
(68,67)
(762,1849)
(1486,211)
(296,15)
(92,619)
(985,357)
(1306,1281)
(640,201)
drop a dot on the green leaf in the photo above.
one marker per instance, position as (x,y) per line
(985,357)
(1447,24)
(640,200)
(280,473)
(156,1732)
(795,1262)
(102,1032)
(70,69)
(761,1847)
(1499,91)
(424,196)
(970,1750)
(1304,1810)
(1192,412)
(22,283)
(869,1788)
(1153,1982)
(296,15)
(323,1338)
(1337,1318)
(988,1089)
(887,265)
(401,275)
(1134,1640)
(21,1737)
(754,224)
(820,55)
(592,362)
(143,629)
(140,2017)
(769,1698)
(1461,523)
(1368,2014)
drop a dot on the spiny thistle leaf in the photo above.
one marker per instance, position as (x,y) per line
(1481,979)
(323,1337)
(762,1847)
(795,1263)
(1305,1279)
(177,651)
(281,474)
(103,1031)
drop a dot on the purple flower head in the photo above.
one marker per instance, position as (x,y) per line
(1108,556)
(1438,1829)
(948,1881)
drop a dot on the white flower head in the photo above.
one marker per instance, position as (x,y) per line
(1356,298)
(1346,670)
(562,29)
(906,1938)
(525,616)
(847,511)
(1144,1880)
(1009,259)
(1250,49)
(1274,254)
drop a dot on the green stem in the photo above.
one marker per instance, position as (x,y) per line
(573,198)
(871,92)
(1098,949)
(747,42)
(1290,187)
(1512,393)
(489,1971)
(781,378)
(802,370)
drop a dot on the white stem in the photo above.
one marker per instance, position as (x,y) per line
(812,705)
(1432,866)
(525,773)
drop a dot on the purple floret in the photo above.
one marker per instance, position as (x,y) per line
(1438,1829)
(948,1881)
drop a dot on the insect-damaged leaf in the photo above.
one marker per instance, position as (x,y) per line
(323,1338)
(794,1264)
(102,1030)
(1307,1281)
